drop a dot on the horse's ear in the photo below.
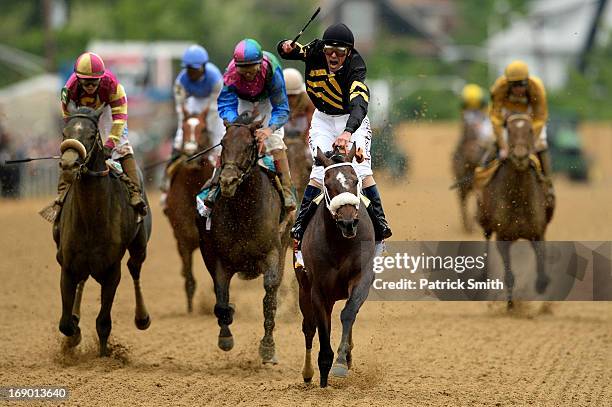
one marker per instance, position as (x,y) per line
(321,159)
(255,125)
(226,123)
(99,111)
(71,108)
(351,154)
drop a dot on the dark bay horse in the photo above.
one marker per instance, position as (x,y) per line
(187,178)
(94,229)
(466,158)
(245,236)
(338,259)
(513,203)
(300,160)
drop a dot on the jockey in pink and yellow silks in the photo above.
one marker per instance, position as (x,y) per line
(94,86)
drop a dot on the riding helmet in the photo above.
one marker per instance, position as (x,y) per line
(338,34)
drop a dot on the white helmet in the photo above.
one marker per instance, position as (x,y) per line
(293,81)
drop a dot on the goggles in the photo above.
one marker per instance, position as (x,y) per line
(329,50)
(516,84)
(248,69)
(88,83)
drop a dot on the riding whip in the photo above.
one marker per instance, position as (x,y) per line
(307,24)
(25,160)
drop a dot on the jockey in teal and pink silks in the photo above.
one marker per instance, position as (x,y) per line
(253,82)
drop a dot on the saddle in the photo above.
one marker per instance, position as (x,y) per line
(266,163)
(484,174)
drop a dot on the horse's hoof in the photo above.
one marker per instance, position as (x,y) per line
(541,284)
(226,343)
(143,324)
(74,340)
(509,306)
(340,370)
(267,354)
(308,380)
(104,351)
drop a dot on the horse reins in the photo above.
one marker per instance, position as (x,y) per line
(252,159)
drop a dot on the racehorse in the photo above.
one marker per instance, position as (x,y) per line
(245,236)
(466,158)
(513,203)
(94,229)
(300,160)
(338,257)
(187,178)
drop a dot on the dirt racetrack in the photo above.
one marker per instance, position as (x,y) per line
(406,353)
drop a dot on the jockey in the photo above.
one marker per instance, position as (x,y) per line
(335,83)
(253,82)
(518,92)
(196,89)
(474,110)
(93,86)
(300,105)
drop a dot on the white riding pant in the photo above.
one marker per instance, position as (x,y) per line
(264,109)
(195,105)
(324,129)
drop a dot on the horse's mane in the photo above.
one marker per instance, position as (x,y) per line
(244,118)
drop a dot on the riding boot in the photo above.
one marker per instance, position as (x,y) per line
(131,170)
(544,157)
(282,167)
(306,212)
(213,186)
(51,212)
(165,182)
(375,210)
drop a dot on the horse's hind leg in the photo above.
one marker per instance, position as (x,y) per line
(309,326)
(504,251)
(103,322)
(76,307)
(540,253)
(69,323)
(190,283)
(138,252)
(272,280)
(357,297)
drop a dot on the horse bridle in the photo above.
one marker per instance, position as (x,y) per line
(82,169)
(355,200)
(252,159)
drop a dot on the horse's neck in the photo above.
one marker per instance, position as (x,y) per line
(516,184)
(91,194)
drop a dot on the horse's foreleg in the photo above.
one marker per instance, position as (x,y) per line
(141,315)
(309,325)
(190,283)
(224,311)
(76,307)
(69,324)
(357,297)
(540,253)
(103,322)
(467,222)
(504,251)
(322,311)
(272,280)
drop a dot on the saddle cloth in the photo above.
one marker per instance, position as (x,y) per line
(484,174)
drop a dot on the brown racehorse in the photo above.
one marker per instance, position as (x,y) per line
(94,229)
(466,158)
(245,236)
(300,160)
(338,265)
(187,178)
(513,203)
